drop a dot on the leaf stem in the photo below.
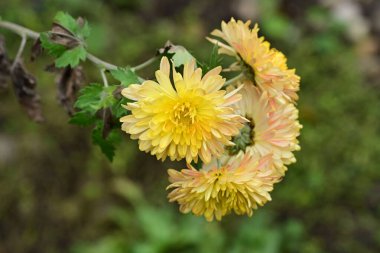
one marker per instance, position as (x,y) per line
(100,63)
(144,64)
(24,38)
(234,79)
(104,77)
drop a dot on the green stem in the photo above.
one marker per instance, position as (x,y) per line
(104,77)
(144,64)
(234,80)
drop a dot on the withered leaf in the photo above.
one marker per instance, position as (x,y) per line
(4,65)
(36,49)
(107,122)
(68,83)
(24,85)
(62,36)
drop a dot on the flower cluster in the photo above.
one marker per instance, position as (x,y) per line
(244,133)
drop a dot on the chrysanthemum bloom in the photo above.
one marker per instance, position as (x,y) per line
(268,130)
(188,118)
(266,66)
(241,185)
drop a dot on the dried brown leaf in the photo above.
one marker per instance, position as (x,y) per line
(4,65)
(24,85)
(36,49)
(68,83)
(62,36)
(107,122)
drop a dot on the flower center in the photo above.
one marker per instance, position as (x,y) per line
(184,113)
(243,139)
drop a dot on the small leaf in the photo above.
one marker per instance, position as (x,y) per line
(53,49)
(83,118)
(24,85)
(79,28)
(95,97)
(106,145)
(68,83)
(67,21)
(126,76)
(117,110)
(181,55)
(71,57)
(178,54)
(62,36)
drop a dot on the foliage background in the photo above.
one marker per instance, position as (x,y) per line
(58,193)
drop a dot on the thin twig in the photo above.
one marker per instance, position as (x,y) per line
(145,64)
(100,62)
(104,77)
(234,79)
(24,38)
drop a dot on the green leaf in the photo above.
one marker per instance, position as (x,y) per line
(126,76)
(107,146)
(213,61)
(82,118)
(94,97)
(69,23)
(118,110)
(51,48)
(181,55)
(71,57)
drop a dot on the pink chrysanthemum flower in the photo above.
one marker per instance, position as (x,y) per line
(269,130)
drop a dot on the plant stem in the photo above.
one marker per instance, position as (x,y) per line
(20,30)
(144,64)
(234,79)
(19,52)
(100,63)
(104,77)
(25,32)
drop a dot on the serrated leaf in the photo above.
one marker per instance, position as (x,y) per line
(51,48)
(117,110)
(94,97)
(78,28)
(106,145)
(126,76)
(67,21)
(71,57)
(82,118)
(85,30)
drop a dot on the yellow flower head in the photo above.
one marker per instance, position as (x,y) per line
(269,130)
(241,185)
(267,67)
(186,117)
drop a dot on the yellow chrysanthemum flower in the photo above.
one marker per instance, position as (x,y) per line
(269,130)
(188,118)
(241,185)
(266,66)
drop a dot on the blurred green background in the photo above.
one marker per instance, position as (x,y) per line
(58,193)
